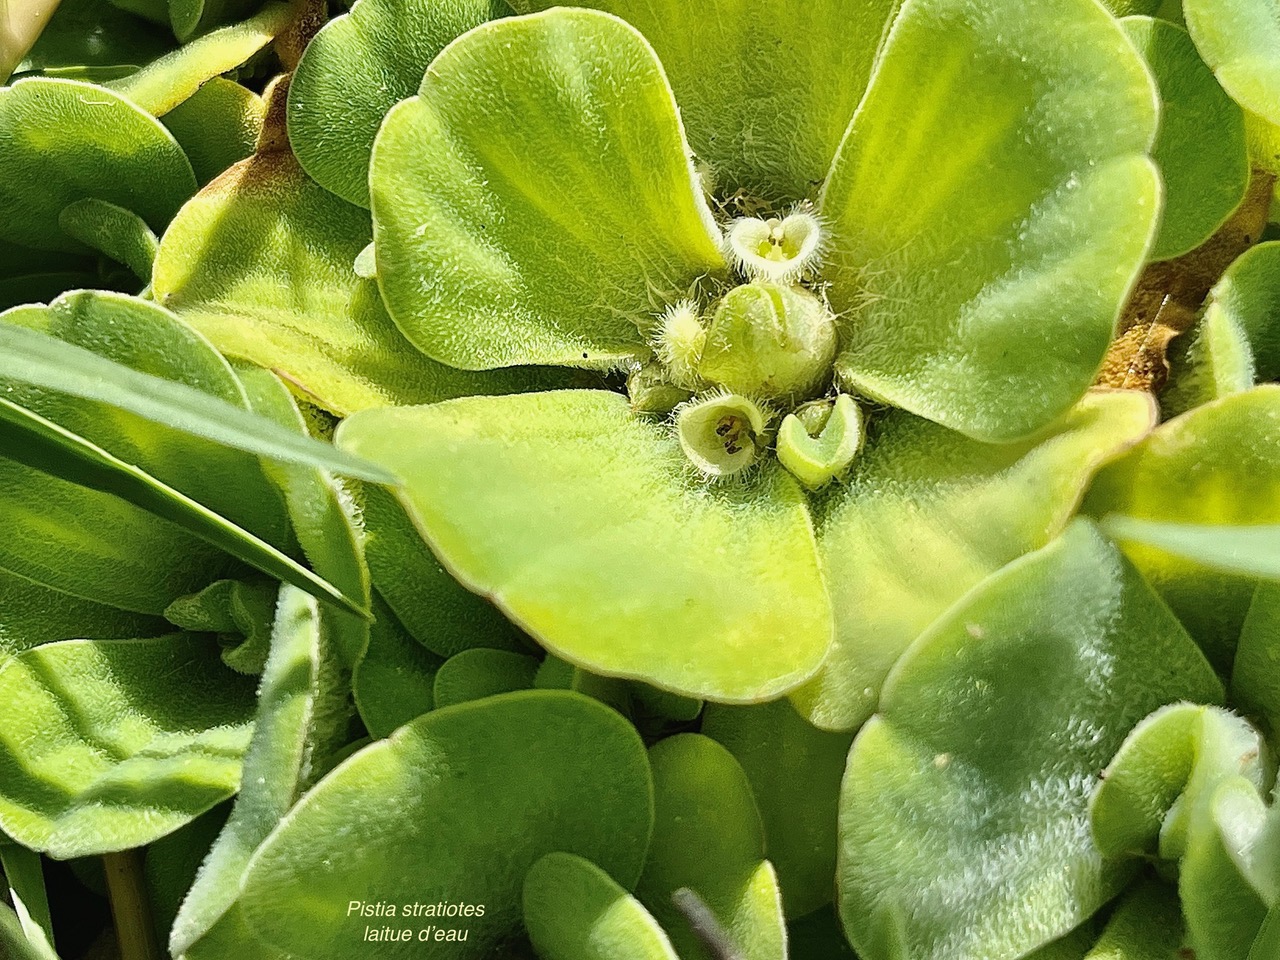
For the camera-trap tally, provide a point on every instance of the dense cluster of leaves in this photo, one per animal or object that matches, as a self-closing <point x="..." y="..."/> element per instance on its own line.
<point x="732" y="480"/>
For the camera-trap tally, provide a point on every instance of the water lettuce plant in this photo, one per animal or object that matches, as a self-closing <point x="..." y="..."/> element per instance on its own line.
<point x="641" y="481"/>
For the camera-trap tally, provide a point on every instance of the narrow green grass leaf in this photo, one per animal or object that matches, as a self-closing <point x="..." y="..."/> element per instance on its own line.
<point x="42" y="444"/>
<point x="31" y="357"/>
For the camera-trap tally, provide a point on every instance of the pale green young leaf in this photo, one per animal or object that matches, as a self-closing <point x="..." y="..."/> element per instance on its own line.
<point x="587" y="527"/>
<point x="964" y="821"/>
<point x="795" y="771"/>
<point x="1203" y="486"/>
<point x="1245" y="551"/>
<point x="925" y="515"/>
<point x="1239" y="40"/>
<point x="356" y="69"/>
<point x="1201" y="148"/>
<point x="1221" y="898"/>
<point x="63" y="141"/>
<point x="535" y="203"/>
<point x="573" y="910"/>
<point x="766" y="90"/>
<point x="708" y="838"/>
<point x="1237" y="341"/>
<point x="469" y="798"/>
<point x="989" y="210"/>
<point x="98" y="754"/>
<point x="1168" y="767"/>
<point x="261" y="262"/>
<point x="164" y="83"/>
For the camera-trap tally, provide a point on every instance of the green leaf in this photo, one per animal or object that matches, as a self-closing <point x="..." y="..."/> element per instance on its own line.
<point x="278" y="766"/>
<point x="441" y="614"/>
<point x="261" y="263"/>
<point x="1201" y="149"/>
<point x="24" y="877"/>
<point x="989" y="210"/>
<point x="13" y="939"/>
<point x="323" y="517"/>
<point x="1237" y="341"/>
<point x="708" y="838"/>
<point x="1202" y="487"/>
<point x="190" y="18"/>
<point x="1169" y="765"/>
<point x="1246" y="551"/>
<point x="32" y="614"/>
<point x="925" y="515"/>
<point x="795" y="772"/>
<point x="573" y="910"/>
<point x="217" y="126"/>
<point x="92" y="33"/>
<point x="1147" y="925"/>
<point x="1255" y="678"/>
<point x="475" y="674"/>
<point x="964" y="821"/>
<point x="356" y="69"/>
<point x="30" y="357"/>
<point x="119" y="233"/>
<point x="63" y="141"/>
<point x="1268" y="943"/>
<point x="1239" y="39"/>
<point x="94" y="546"/>
<point x="148" y="340"/>
<point x="766" y="90"/>
<point x="393" y="681"/>
<point x="535" y="203"/>
<point x="98" y="754"/>
<point x="165" y="83"/>
<point x="51" y="449"/>
<point x="1222" y="902"/>
<point x="584" y="525"/>
<point x="469" y="798"/>
<point x="172" y="862"/>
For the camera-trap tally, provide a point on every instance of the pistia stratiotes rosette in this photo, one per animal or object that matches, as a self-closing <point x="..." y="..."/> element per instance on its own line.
<point x="957" y="255"/>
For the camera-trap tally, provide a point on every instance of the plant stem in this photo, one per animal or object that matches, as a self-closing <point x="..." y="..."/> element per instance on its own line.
<point x="21" y="22"/>
<point x="130" y="906"/>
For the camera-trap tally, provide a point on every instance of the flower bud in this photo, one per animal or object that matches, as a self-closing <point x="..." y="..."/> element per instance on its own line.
<point x="769" y="341"/>
<point x="652" y="392"/>
<point x="680" y="343"/>
<point x="721" y="435"/>
<point x="816" y="457"/>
